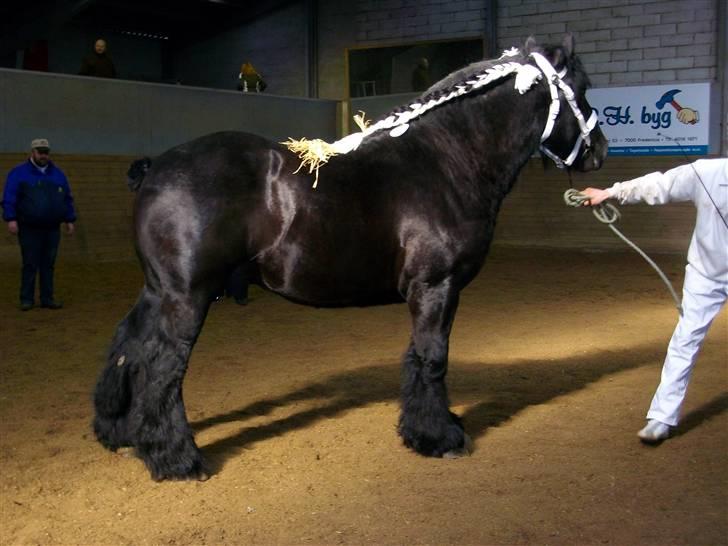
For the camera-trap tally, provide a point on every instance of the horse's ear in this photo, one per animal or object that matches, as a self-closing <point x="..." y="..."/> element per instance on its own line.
<point x="568" y="45"/>
<point x="562" y="55"/>
<point x="530" y="45"/>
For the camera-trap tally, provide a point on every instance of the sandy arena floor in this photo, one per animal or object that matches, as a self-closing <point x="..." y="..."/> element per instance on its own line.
<point x="554" y="358"/>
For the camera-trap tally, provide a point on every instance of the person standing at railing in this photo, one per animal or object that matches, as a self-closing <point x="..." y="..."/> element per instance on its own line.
<point x="98" y="63"/>
<point x="249" y="81"/>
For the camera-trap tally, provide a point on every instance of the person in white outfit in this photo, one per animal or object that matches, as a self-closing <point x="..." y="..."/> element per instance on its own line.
<point x="705" y="289"/>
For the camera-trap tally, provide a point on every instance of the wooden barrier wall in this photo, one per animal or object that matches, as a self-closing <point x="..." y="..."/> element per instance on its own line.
<point x="533" y="215"/>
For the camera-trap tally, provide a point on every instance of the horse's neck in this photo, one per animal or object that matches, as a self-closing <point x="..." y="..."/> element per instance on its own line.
<point x="490" y="139"/>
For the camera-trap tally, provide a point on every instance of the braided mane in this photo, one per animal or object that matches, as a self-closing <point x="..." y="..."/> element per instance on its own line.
<point x="477" y="76"/>
<point x="462" y="82"/>
<point x="461" y="76"/>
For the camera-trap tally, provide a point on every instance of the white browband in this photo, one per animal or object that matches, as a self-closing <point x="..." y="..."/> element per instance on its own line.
<point x="556" y="82"/>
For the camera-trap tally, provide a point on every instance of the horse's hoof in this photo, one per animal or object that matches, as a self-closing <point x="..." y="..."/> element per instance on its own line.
<point x="200" y="476"/>
<point x="464" y="451"/>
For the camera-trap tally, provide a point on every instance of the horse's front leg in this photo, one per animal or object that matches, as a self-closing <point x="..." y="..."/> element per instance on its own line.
<point x="426" y="423"/>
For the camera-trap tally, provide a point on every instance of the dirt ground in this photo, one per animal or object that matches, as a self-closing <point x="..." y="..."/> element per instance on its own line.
<point x="554" y="358"/>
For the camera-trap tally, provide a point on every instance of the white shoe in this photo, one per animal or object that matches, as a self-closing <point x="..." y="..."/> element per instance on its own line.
<point x="655" y="432"/>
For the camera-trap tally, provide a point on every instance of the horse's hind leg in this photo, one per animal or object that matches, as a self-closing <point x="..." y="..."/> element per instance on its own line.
<point x="426" y="423"/>
<point x="157" y="420"/>
<point x="138" y="396"/>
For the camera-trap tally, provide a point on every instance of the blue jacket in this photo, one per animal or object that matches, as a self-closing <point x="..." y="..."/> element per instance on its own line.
<point x="35" y="198"/>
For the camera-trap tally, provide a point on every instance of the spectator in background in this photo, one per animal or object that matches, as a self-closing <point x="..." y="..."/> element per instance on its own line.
<point x="421" y="75"/>
<point x="249" y="80"/>
<point x="98" y="63"/>
<point x="36" y="200"/>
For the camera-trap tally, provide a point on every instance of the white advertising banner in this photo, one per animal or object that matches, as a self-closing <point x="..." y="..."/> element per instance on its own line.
<point x="671" y="119"/>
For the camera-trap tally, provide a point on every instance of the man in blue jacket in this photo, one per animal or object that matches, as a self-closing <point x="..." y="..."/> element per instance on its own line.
<point x="36" y="200"/>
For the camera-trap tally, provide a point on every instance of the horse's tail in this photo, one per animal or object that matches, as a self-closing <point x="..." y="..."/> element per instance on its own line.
<point x="123" y="377"/>
<point x="137" y="170"/>
<point x="114" y="388"/>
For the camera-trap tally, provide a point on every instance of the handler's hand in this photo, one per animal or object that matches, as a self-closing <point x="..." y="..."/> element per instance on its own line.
<point x="70" y="228"/>
<point x="13" y="227"/>
<point x="595" y="196"/>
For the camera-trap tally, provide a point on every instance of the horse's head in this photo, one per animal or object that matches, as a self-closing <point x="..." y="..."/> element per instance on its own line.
<point x="572" y="137"/>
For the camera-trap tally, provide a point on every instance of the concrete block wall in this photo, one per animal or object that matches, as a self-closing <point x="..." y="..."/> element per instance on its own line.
<point x="337" y="29"/>
<point x="623" y="42"/>
<point x="365" y="23"/>
<point x="275" y="44"/>
<point x="400" y="20"/>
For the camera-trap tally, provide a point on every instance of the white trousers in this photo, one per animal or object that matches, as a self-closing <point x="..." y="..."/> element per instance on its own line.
<point x="703" y="298"/>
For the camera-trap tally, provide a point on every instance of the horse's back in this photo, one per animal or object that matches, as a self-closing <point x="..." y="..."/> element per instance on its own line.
<point x="207" y="165"/>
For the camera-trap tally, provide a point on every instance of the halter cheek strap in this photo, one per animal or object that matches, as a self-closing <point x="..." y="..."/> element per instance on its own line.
<point x="555" y="82"/>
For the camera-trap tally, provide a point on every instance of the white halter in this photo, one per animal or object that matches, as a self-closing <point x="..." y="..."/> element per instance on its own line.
<point x="554" y="79"/>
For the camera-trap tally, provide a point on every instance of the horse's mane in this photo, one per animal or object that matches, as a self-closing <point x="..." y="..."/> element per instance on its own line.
<point x="480" y="76"/>
<point x="463" y="77"/>
<point x="461" y="82"/>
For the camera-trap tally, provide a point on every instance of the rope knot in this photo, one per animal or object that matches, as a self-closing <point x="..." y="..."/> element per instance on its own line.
<point x="605" y="212"/>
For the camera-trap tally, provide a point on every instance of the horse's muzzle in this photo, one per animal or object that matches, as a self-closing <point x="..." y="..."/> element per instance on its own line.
<point x="593" y="156"/>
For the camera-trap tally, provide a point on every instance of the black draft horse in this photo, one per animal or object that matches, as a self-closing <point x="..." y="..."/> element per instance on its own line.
<point x="406" y="215"/>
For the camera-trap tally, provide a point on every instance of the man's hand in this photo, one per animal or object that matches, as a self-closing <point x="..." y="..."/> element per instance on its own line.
<point x="13" y="227"/>
<point x="595" y="196"/>
<point x="70" y="228"/>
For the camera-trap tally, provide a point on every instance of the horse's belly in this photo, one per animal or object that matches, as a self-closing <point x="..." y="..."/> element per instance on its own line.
<point x="330" y="280"/>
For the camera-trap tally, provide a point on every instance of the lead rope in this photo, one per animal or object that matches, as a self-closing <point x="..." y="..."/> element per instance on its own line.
<point x="608" y="214"/>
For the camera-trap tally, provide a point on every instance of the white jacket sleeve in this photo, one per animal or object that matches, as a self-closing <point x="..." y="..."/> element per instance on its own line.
<point x="657" y="188"/>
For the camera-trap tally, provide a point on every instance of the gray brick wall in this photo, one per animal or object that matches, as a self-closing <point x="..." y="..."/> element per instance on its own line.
<point x="337" y="27"/>
<point x="387" y="21"/>
<point x="623" y="42"/>
<point x="275" y="44"/>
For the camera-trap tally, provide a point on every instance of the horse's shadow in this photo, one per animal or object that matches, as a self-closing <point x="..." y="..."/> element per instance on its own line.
<point x="497" y="393"/>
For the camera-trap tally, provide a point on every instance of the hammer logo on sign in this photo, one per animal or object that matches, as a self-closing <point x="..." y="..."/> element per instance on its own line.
<point x="684" y="115"/>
